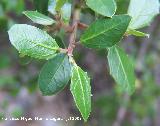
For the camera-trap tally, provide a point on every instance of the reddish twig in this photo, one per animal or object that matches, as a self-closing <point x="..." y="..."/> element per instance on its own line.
<point x="72" y="38"/>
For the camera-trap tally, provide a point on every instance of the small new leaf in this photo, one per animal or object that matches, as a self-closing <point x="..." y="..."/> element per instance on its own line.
<point x="137" y="33"/>
<point x="81" y="91"/>
<point x="105" y="32"/>
<point x="32" y="41"/>
<point x="142" y="12"/>
<point x="59" y="4"/>
<point x="39" y="18"/>
<point x="65" y="9"/>
<point x="55" y="75"/>
<point x="103" y="7"/>
<point x="121" y="69"/>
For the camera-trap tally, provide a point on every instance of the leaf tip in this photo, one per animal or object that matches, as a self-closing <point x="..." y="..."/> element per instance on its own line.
<point x="85" y="116"/>
<point x="23" y="12"/>
<point x="148" y="35"/>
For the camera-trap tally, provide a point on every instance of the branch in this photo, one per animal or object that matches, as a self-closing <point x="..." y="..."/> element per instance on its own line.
<point x="122" y="111"/>
<point x="72" y="38"/>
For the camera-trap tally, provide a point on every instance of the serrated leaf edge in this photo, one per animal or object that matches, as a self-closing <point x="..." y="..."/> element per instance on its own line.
<point x="85" y="118"/>
<point x="84" y="40"/>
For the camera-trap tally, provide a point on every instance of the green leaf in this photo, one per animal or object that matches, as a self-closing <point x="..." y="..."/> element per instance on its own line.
<point x="103" y="7"/>
<point x="142" y="12"/>
<point x="41" y="6"/>
<point x="81" y="91"/>
<point x="39" y="18"/>
<point x="121" y="69"/>
<point x="105" y="32"/>
<point x="32" y="41"/>
<point x="137" y="33"/>
<point x="59" y="4"/>
<point x="65" y="10"/>
<point x="55" y="75"/>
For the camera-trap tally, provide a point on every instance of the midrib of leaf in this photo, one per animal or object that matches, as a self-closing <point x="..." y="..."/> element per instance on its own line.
<point x="81" y="88"/>
<point x="40" y="44"/>
<point x="53" y="78"/>
<point x="122" y="65"/>
<point x="102" y="32"/>
<point x="48" y="55"/>
<point x="42" y="18"/>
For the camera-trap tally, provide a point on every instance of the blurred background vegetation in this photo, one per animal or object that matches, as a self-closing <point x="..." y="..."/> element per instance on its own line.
<point x="20" y="96"/>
